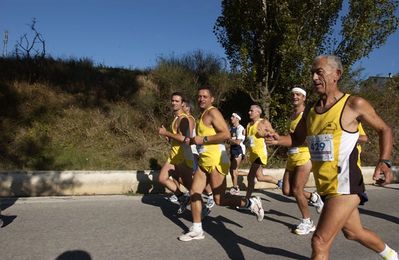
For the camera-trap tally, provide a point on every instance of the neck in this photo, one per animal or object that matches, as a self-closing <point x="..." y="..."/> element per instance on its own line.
<point x="330" y="98"/>
<point x="299" y="109"/>
<point x="177" y="112"/>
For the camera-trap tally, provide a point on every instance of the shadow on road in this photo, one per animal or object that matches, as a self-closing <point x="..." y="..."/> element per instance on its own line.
<point x="379" y="215"/>
<point x="169" y="209"/>
<point x="230" y="241"/>
<point x="5" y="203"/>
<point x="215" y="227"/>
<point x="74" y="255"/>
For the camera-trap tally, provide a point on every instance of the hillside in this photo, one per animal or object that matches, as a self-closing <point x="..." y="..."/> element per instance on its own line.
<point x="72" y="115"/>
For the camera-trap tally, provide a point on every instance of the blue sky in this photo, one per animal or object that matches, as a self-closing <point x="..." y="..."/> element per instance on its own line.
<point x="134" y="33"/>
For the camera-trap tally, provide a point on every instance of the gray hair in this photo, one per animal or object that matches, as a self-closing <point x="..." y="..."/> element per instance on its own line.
<point x="332" y="60"/>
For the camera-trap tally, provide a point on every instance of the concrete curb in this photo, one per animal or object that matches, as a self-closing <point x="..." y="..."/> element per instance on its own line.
<point x="61" y="183"/>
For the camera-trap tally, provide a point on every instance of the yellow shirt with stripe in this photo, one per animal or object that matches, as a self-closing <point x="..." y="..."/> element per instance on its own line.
<point x="299" y="155"/>
<point x="180" y="152"/>
<point x="333" y="152"/>
<point x="256" y="146"/>
<point x="211" y="156"/>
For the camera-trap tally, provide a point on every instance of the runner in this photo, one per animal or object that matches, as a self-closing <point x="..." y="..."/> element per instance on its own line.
<point x="213" y="165"/>
<point x="298" y="169"/>
<point x="180" y="162"/>
<point x="257" y="152"/>
<point x="331" y="130"/>
<point x="237" y="150"/>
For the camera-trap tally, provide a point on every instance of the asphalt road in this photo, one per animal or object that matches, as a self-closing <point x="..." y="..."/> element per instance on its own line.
<point x="146" y="227"/>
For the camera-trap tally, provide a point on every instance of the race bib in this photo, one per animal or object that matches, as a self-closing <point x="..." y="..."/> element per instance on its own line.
<point x="293" y="150"/>
<point x="321" y="147"/>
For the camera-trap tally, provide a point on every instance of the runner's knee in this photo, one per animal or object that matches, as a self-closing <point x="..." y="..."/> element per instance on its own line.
<point x="350" y="235"/>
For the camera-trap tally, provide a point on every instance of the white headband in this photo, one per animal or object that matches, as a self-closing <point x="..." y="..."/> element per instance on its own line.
<point x="237" y="116"/>
<point x="299" y="90"/>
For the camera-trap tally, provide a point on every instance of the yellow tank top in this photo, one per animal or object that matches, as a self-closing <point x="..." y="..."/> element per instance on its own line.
<point x="179" y="152"/>
<point x="300" y="149"/>
<point x="333" y="152"/>
<point x="256" y="146"/>
<point x="211" y="155"/>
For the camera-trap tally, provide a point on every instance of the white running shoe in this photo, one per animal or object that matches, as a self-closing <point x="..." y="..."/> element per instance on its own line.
<point x="210" y="203"/>
<point x="316" y="201"/>
<point x="173" y="198"/>
<point x="305" y="227"/>
<point x="184" y="201"/>
<point x="257" y="208"/>
<point x="192" y="235"/>
<point x="235" y="191"/>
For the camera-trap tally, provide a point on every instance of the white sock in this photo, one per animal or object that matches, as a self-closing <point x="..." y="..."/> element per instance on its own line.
<point x="197" y="227"/>
<point x="388" y="253"/>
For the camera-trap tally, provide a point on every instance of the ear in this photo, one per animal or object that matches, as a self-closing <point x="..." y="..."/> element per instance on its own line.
<point x="339" y="74"/>
<point x="212" y="99"/>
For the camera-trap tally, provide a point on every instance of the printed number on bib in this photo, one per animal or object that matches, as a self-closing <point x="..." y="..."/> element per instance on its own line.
<point x="321" y="147"/>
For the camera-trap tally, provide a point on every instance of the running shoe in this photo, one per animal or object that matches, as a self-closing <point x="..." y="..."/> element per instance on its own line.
<point x="316" y="201"/>
<point x="305" y="227"/>
<point x="173" y="198"/>
<point x="280" y="184"/>
<point x="205" y="211"/>
<point x="235" y="191"/>
<point x="210" y="203"/>
<point x="257" y="208"/>
<point x="184" y="200"/>
<point x="192" y="235"/>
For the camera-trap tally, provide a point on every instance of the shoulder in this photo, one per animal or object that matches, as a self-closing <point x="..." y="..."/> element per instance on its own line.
<point x="356" y="102"/>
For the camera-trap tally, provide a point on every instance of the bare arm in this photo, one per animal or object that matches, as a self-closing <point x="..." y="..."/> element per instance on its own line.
<point x="183" y="131"/>
<point x="368" y="115"/>
<point x="214" y="118"/>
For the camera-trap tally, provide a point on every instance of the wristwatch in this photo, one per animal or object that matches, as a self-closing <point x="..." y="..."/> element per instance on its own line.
<point x="205" y="140"/>
<point x="387" y="162"/>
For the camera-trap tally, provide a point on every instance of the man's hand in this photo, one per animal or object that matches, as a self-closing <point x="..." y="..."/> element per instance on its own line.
<point x="162" y="130"/>
<point x="198" y="140"/>
<point x="382" y="174"/>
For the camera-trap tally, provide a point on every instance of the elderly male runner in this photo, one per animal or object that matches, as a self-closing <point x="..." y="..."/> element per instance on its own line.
<point x="298" y="169"/>
<point x="257" y="152"/>
<point x="181" y="161"/>
<point x="331" y="130"/>
<point x="213" y="165"/>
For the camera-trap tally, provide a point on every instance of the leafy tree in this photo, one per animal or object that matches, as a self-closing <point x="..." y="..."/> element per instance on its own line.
<point x="272" y="43"/>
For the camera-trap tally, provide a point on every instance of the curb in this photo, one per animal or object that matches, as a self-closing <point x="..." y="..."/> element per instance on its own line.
<point x="73" y="183"/>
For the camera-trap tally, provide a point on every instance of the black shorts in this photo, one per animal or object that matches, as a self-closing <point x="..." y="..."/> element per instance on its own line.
<point x="235" y="151"/>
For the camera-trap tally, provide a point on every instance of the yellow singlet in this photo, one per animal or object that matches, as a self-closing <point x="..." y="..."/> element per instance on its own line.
<point x="333" y="151"/>
<point x="180" y="153"/>
<point x="211" y="156"/>
<point x="257" y="146"/>
<point x="300" y="155"/>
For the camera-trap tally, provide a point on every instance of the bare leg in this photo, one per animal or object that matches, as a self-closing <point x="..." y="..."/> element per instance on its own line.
<point x="197" y="187"/>
<point x="353" y="230"/>
<point x="164" y="179"/>
<point x="338" y="213"/>
<point x="234" y="164"/>
<point x="251" y="178"/>
<point x="300" y="178"/>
